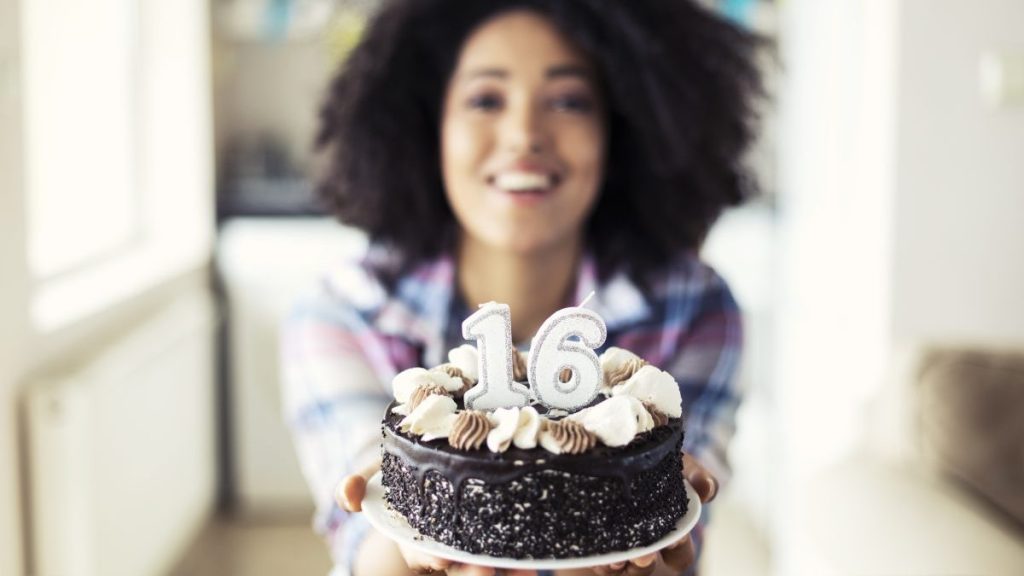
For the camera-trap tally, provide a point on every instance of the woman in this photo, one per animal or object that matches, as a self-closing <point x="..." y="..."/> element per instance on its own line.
<point x="525" y="152"/>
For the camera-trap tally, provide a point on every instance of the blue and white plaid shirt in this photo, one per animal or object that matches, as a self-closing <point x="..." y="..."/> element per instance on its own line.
<point x="342" y="345"/>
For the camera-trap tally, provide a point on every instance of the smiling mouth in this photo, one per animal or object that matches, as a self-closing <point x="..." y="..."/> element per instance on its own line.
<point x="524" y="183"/>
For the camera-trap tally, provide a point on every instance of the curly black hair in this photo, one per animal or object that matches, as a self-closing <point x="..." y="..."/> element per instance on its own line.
<point x="681" y="86"/>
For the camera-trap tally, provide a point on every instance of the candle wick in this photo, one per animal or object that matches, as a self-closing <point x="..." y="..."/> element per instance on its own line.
<point x="587" y="299"/>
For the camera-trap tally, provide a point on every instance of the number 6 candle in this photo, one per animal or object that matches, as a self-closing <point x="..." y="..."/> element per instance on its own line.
<point x="552" y="351"/>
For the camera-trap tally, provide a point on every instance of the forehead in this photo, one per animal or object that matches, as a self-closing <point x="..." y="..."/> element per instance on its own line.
<point x="519" y="40"/>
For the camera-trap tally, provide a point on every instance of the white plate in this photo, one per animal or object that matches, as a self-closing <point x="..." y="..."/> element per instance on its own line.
<point x="394" y="526"/>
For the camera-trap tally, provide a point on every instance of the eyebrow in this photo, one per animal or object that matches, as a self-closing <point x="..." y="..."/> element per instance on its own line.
<point x="561" y="71"/>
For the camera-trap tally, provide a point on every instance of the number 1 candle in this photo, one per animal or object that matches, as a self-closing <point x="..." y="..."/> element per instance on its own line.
<point x="491" y="327"/>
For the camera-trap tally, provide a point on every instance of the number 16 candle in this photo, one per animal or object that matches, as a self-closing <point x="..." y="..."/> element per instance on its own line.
<point x="565" y="341"/>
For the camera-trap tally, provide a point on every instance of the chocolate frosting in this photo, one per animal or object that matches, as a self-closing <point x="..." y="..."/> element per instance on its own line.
<point x="623" y="372"/>
<point x="469" y="431"/>
<point x="659" y="417"/>
<point x="422" y="392"/>
<point x="456" y="372"/>
<point x="571" y="436"/>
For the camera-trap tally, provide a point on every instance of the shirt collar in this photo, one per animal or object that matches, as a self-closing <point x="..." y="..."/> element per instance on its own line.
<point x="421" y="307"/>
<point x="617" y="300"/>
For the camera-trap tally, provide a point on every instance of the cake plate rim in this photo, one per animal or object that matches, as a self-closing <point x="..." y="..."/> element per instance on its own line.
<point x="396" y="527"/>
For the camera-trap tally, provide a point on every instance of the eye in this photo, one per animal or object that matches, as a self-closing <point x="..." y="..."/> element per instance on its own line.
<point x="576" y="103"/>
<point x="485" y="102"/>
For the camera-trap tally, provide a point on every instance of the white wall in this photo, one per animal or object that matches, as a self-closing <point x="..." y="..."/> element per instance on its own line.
<point x="13" y="300"/>
<point x="23" y="349"/>
<point x="834" y="245"/>
<point x="901" y="220"/>
<point x="269" y="88"/>
<point x="958" y="263"/>
<point x="834" y="220"/>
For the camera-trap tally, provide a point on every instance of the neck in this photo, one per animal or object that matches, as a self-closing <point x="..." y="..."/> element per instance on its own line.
<point x="534" y="285"/>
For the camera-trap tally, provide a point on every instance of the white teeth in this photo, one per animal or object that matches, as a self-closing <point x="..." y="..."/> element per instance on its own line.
<point x="522" y="181"/>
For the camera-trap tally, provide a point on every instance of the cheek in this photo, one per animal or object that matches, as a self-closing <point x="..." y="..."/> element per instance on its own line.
<point x="586" y="151"/>
<point x="462" y="147"/>
<point x="463" y="151"/>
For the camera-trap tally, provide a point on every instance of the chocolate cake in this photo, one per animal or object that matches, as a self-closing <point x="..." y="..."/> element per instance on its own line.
<point x="531" y="482"/>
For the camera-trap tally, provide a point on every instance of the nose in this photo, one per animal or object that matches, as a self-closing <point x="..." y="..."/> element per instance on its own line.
<point x="524" y="129"/>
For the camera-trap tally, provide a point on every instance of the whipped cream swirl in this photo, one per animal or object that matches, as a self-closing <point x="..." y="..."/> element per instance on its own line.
<point x="518" y="426"/>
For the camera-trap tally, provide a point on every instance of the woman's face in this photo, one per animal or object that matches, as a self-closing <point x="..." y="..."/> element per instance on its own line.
<point x="522" y="136"/>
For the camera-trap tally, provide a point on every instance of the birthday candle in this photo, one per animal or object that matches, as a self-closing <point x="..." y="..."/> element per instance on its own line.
<point x="554" y="349"/>
<point x="491" y="327"/>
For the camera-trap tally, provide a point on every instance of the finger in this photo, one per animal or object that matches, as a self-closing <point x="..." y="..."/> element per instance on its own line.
<point x="470" y="570"/>
<point x="350" y="493"/>
<point x="642" y="566"/>
<point x="512" y="572"/>
<point x="706" y="486"/>
<point x="423" y="563"/>
<point x="610" y="569"/>
<point x="437" y="564"/>
<point x="680" y="556"/>
<point x="351" y="490"/>
<point x="700" y="478"/>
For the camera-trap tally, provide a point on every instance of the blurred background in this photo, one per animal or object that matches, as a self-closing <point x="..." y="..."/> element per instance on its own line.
<point x="156" y="216"/>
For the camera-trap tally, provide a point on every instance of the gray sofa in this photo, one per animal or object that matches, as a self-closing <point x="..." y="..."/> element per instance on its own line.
<point x="951" y="502"/>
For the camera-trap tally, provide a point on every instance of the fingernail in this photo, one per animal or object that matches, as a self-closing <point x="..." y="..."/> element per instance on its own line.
<point x="618" y="566"/>
<point x="644" y="561"/>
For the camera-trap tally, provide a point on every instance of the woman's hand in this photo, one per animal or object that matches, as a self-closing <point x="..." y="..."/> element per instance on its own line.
<point x="680" y="555"/>
<point x="349" y="495"/>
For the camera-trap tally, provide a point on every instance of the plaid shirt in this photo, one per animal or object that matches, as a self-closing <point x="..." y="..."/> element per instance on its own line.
<point x="343" y="344"/>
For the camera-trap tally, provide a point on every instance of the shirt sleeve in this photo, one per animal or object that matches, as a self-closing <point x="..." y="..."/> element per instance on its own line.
<point x="705" y="319"/>
<point x="333" y="402"/>
<point x="709" y="339"/>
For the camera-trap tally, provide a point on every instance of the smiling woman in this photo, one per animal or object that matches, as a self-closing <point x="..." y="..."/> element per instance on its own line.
<point x="525" y="152"/>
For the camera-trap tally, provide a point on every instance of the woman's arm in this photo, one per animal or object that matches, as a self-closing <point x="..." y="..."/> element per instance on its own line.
<point x="333" y="403"/>
<point x="705" y="365"/>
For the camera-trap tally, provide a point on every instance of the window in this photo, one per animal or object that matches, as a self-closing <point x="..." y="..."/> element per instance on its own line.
<point x="118" y="149"/>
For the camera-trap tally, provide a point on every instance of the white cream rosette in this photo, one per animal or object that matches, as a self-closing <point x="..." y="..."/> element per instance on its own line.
<point x="612" y="360"/>
<point x="432" y="419"/>
<point x="407" y="381"/>
<point x="656" y="387"/>
<point x="467" y="359"/>
<point x="615" y="421"/>
<point x="528" y="428"/>
<point x="518" y="426"/>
